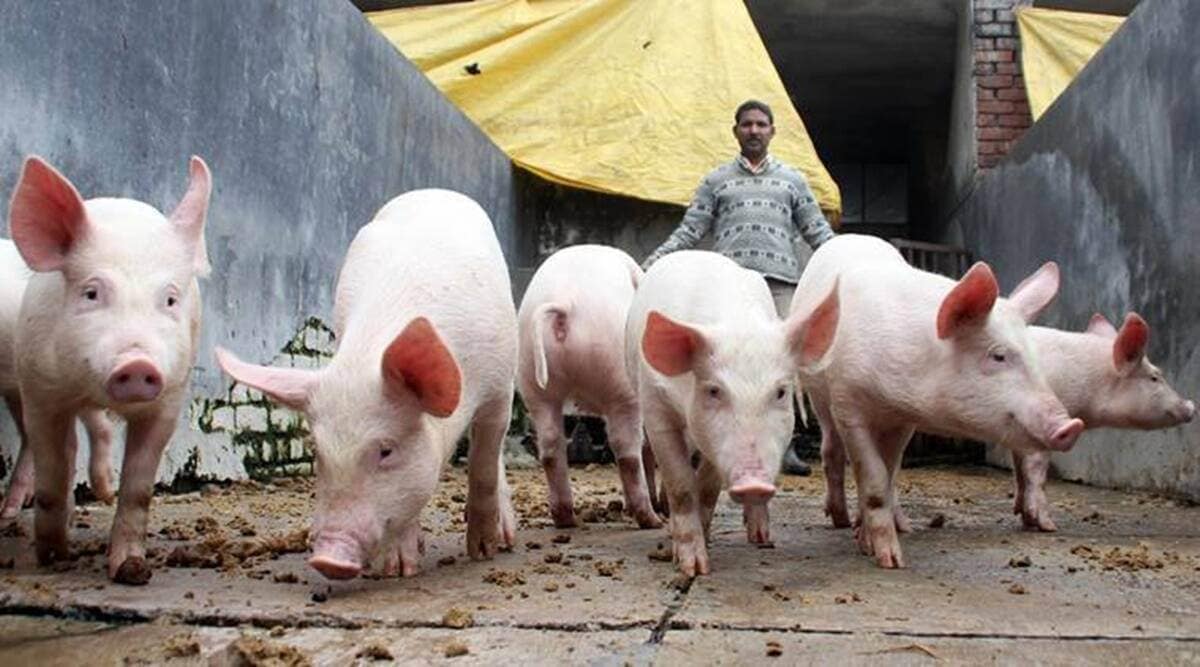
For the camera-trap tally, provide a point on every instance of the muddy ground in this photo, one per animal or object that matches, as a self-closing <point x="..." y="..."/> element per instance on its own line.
<point x="1119" y="582"/>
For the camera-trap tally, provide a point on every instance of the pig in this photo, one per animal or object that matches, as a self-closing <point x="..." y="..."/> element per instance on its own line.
<point x="571" y="325"/>
<point x="916" y="350"/>
<point x="714" y="365"/>
<point x="426" y="346"/>
<point x="109" y="321"/>
<point x="14" y="276"/>
<point x="1103" y="377"/>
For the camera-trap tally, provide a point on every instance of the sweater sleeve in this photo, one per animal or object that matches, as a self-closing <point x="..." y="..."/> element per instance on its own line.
<point x="807" y="216"/>
<point x="697" y="222"/>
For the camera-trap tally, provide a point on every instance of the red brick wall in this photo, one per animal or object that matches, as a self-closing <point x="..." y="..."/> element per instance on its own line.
<point x="1002" y="111"/>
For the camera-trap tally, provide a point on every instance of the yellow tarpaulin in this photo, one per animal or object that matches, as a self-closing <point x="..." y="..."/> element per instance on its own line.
<point x="632" y="97"/>
<point x="1055" y="45"/>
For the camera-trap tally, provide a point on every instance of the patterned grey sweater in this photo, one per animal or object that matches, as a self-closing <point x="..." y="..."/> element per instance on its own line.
<point x="760" y="218"/>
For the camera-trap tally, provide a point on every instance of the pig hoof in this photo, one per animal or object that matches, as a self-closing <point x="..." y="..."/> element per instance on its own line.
<point x="563" y="515"/>
<point x="903" y="525"/>
<point x="409" y="568"/>
<point x="104" y="493"/>
<point x="10" y="511"/>
<point x="508" y="530"/>
<point x="757" y="536"/>
<point x="52" y="551"/>
<point x="1038" y="521"/>
<point x="483" y="536"/>
<point x="648" y="519"/>
<point x="17" y="499"/>
<point x="135" y="571"/>
<point x="838" y="515"/>
<point x="692" y="557"/>
<point x="889" y="561"/>
<point x="880" y="540"/>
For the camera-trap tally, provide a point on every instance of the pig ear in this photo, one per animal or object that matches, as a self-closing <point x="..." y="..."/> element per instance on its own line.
<point x="1036" y="292"/>
<point x="671" y="348"/>
<point x="1129" y="347"/>
<point x="46" y="216"/>
<point x="1100" y="326"/>
<point x="970" y="301"/>
<point x="418" y="361"/>
<point x="189" y="215"/>
<point x="289" y="387"/>
<point x="811" y="337"/>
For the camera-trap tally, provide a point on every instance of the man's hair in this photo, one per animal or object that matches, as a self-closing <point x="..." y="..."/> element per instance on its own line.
<point x="753" y="104"/>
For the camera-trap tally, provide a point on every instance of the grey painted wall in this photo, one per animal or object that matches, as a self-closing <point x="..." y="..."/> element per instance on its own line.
<point x="309" y="119"/>
<point x="554" y="217"/>
<point x="961" y="159"/>
<point x="1108" y="184"/>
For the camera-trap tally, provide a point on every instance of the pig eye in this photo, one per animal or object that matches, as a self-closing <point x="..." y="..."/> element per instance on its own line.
<point x="91" y="293"/>
<point x="998" y="355"/>
<point x="385" y="452"/>
<point x="171" y="299"/>
<point x="780" y="393"/>
<point x="1154" y="378"/>
<point x="712" y="391"/>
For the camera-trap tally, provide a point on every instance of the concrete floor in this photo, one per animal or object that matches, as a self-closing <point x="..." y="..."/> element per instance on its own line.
<point x="1119" y="582"/>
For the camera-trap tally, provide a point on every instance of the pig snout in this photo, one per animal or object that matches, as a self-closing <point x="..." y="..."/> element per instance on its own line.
<point x="134" y="381"/>
<point x="1063" y="437"/>
<point x="1184" y="412"/>
<point x="336" y="557"/>
<point x="750" y="487"/>
<point x="1047" y="424"/>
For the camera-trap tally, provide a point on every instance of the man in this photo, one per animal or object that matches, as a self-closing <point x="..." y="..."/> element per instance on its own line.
<point x="758" y="210"/>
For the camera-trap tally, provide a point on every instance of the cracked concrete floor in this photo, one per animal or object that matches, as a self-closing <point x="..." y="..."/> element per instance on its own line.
<point x="1119" y="582"/>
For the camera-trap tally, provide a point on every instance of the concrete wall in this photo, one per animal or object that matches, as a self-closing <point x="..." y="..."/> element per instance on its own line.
<point x="961" y="159"/>
<point x="1108" y="184"/>
<point x="554" y="217"/>
<point x="309" y="119"/>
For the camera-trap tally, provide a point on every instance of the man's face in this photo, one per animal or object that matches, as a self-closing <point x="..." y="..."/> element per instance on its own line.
<point x="754" y="132"/>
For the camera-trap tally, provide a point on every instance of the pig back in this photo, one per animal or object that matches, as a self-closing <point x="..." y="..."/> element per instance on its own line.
<point x="433" y="254"/>
<point x="593" y="286"/>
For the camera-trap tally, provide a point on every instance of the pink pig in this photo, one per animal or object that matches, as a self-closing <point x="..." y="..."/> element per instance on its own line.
<point x="572" y="326"/>
<point x="714" y="365"/>
<point x="916" y="350"/>
<point x="14" y="276"/>
<point x="427" y="346"/>
<point x="110" y="320"/>
<point x="1103" y="377"/>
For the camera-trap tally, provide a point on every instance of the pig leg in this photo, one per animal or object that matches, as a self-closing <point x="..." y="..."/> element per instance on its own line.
<point x="146" y="438"/>
<point x="403" y="558"/>
<point x="100" y="433"/>
<point x="757" y="522"/>
<point x="1031" y="471"/>
<point x="625" y="439"/>
<point x="897" y="443"/>
<point x="548" y="423"/>
<point x="1018" y="483"/>
<point x="53" y="442"/>
<point x="488" y="529"/>
<point x="877" y="533"/>
<point x="508" y="515"/>
<point x="833" y="460"/>
<point x="708" y="483"/>
<point x="658" y="497"/>
<point x="20" y="484"/>
<point x="679" y="479"/>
